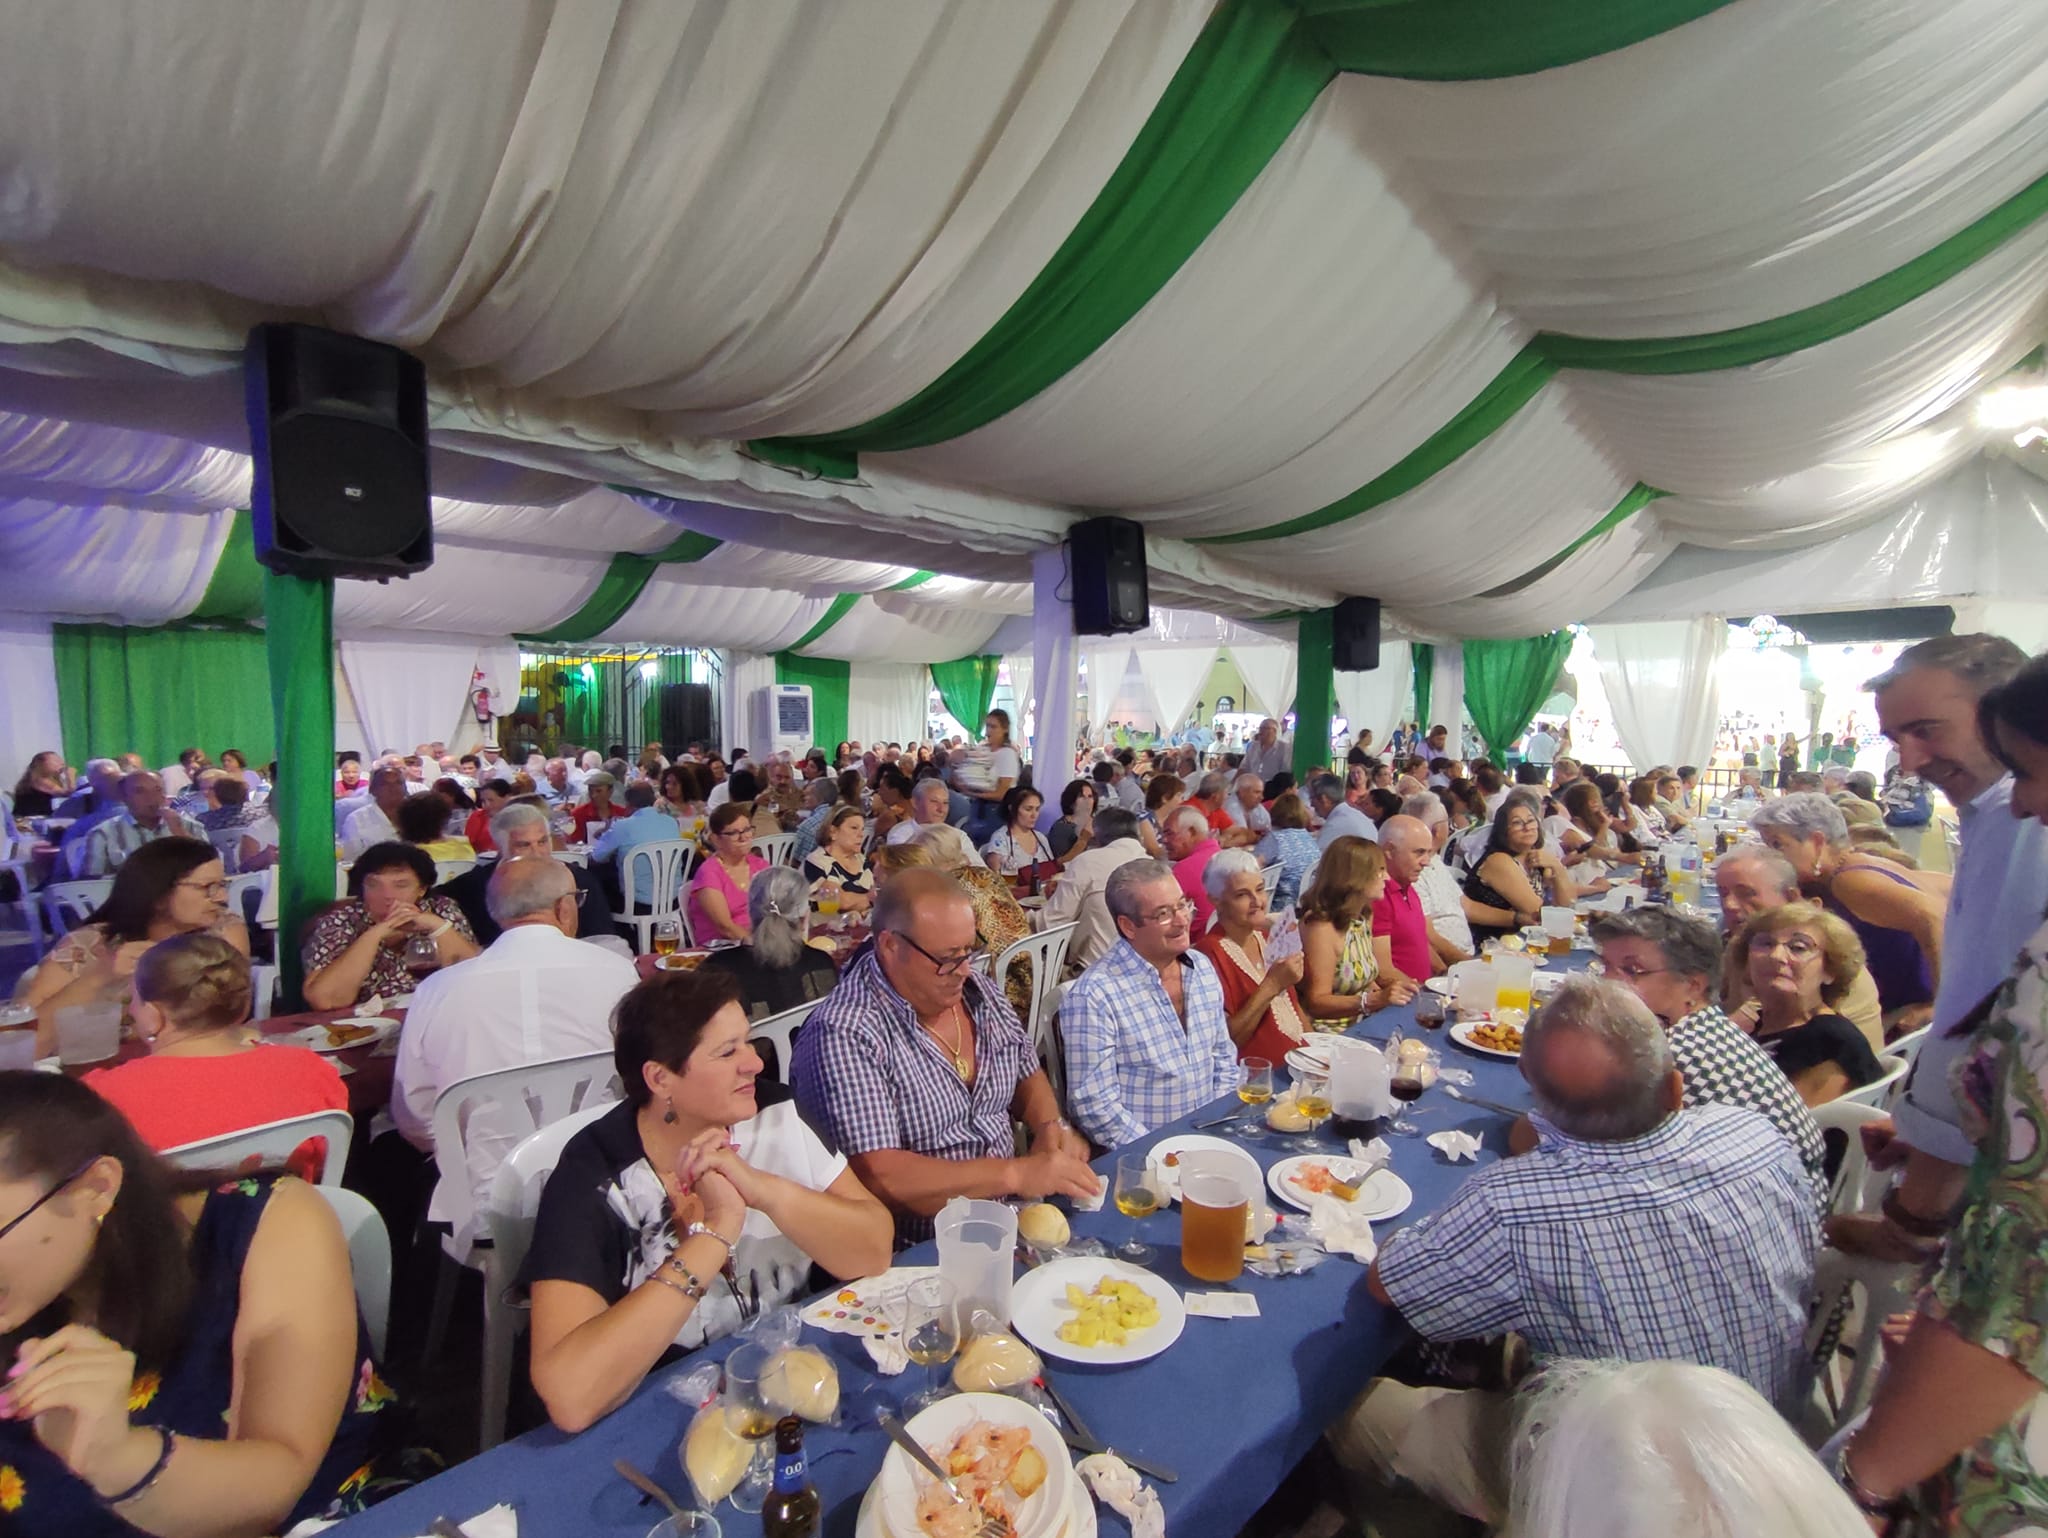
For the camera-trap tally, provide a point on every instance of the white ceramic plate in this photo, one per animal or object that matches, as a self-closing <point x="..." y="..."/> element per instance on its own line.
<point x="1386" y="1195"/>
<point x="1313" y="1053"/>
<point x="1166" y="1177"/>
<point x="897" y="1487"/>
<point x="1461" y="1033"/>
<point x="315" y="1036"/>
<point x="1038" y="1307"/>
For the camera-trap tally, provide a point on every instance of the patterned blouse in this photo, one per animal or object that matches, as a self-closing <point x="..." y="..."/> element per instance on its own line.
<point x="1358" y="967"/>
<point x="343" y="924"/>
<point x="1992" y="1285"/>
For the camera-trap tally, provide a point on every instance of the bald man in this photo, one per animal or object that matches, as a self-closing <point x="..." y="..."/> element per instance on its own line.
<point x="535" y="993"/>
<point x="1402" y="935"/>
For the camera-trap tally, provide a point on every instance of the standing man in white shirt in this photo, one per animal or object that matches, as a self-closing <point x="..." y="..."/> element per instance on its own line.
<point x="1539" y="747"/>
<point x="535" y="994"/>
<point x="1927" y="706"/>
<point x="372" y="824"/>
<point x="1268" y="753"/>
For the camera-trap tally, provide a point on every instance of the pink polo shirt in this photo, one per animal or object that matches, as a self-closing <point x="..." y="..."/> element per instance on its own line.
<point x="1398" y="915"/>
<point x="1187" y="870"/>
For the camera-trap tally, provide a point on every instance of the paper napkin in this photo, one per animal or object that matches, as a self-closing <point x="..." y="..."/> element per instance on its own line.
<point x="1454" y="1145"/>
<point x="1117" y="1485"/>
<point x="1339" y="1228"/>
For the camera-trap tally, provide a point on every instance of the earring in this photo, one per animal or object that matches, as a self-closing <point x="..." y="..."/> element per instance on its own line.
<point x="669" y="1115"/>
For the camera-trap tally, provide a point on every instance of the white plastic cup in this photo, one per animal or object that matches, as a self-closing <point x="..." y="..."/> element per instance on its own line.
<point x="88" y="1033"/>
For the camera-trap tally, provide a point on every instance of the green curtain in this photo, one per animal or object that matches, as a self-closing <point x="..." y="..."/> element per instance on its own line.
<point x="1422" y="659"/>
<point x="299" y="621"/>
<point x="1315" y="698"/>
<point x="235" y="590"/>
<point x="828" y="678"/>
<point x="967" y="686"/>
<point x="160" y="690"/>
<point x="1506" y="683"/>
<point x="1484" y="39"/>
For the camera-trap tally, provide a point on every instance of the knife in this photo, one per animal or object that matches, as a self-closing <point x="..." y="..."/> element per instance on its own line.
<point x="1076" y="1435"/>
<point x="1491" y="1105"/>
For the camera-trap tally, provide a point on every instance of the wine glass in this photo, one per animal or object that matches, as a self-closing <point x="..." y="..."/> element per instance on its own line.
<point x="1312" y="1096"/>
<point x="1254" y="1088"/>
<point x="1413" y="1071"/>
<point x="751" y="1414"/>
<point x="667" y="935"/>
<point x="1136" y="1197"/>
<point x="1430" y="1009"/>
<point x="421" y="954"/>
<point x="931" y="1334"/>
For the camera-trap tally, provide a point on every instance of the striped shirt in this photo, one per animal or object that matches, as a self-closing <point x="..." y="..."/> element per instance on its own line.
<point x="109" y="844"/>
<point x="1132" y="1064"/>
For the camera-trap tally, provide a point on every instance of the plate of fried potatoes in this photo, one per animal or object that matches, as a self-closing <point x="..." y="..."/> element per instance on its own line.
<point x="1086" y="1309"/>
<point x="1490" y="1037"/>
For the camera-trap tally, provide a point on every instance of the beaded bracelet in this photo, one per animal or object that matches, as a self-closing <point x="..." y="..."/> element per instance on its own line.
<point x="156" y="1470"/>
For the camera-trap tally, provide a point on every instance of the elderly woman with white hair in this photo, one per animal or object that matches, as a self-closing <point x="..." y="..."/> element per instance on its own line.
<point x="1259" y="1005"/>
<point x="777" y="969"/>
<point x="1896" y="913"/>
<point x="999" y="920"/>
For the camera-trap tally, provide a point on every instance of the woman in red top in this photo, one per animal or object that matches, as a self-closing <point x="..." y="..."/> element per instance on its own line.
<point x="205" y="1074"/>
<point x="1264" y="1016"/>
<point x="490" y="800"/>
<point x="598" y="812"/>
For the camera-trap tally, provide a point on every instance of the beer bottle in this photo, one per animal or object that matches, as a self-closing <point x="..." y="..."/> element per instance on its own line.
<point x="792" y="1509"/>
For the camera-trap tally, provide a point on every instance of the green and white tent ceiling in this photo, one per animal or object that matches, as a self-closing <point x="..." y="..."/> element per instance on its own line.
<point x="1485" y="307"/>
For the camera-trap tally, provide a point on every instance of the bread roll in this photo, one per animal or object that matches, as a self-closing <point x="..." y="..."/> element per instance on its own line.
<point x="1044" y="1225"/>
<point x="713" y="1457"/>
<point x="991" y="1363"/>
<point x="1281" y="1116"/>
<point x="803" y="1379"/>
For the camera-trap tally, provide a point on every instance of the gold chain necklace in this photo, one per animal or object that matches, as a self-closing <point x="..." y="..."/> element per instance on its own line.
<point x="958" y="1047"/>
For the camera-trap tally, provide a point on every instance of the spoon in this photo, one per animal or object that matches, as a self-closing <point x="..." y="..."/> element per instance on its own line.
<point x="641" y="1482"/>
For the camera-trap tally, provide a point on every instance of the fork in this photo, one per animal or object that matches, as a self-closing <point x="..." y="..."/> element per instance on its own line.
<point x="993" y="1524"/>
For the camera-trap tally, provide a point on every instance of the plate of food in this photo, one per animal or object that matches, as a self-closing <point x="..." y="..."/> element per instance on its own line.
<point x="1164" y="1159"/>
<point x="1300" y="1180"/>
<point x="682" y="961"/>
<point x="1488" y="1038"/>
<point x="1085" y="1309"/>
<point x="340" y="1035"/>
<point x="1004" y="1456"/>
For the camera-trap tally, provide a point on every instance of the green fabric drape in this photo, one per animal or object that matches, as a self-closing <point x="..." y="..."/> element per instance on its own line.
<point x="299" y="632"/>
<point x="1315" y="697"/>
<point x="1422" y="660"/>
<point x="160" y="690"/>
<point x="1506" y="683"/>
<point x="836" y="611"/>
<point x="1485" y="39"/>
<point x="1638" y="498"/>
<point x="624" y="580"/>
<point x="235" y="590"/>
<point x="828" y="678"/>
<point x="967" y="686"/>
<point x="1248" y="80"/>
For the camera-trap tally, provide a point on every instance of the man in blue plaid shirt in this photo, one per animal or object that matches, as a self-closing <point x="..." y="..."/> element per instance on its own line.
<point x="1146" y="1036"/>
<point x="1636" y="1230"/>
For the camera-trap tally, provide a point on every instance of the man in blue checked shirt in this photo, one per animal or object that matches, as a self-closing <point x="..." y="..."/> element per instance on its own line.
<point x="1635" y="1231"/>
<point x="1146" y="1036"/>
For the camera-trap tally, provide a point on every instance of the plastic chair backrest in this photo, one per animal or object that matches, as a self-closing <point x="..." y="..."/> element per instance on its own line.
<point x="1879" y="1090"/>
<point x="777" y="848"/>
<point x="1269" y="877"/>
<point x="653" y="873"/>
<point x="514" y="1201"/>
<point x="1908" y="1046"/>
<point x="66" y="903"/>
<point x="446" y="871"/>
<point x="1841" y="1122"/>
<point x="780" y="1032"/>
<point x="1045" y="954"/>
<point x="542" y="1092"/>
<point x="239" y="888"/>
<point x="271" y="1145"/>
<point x="1889" y="1288"/>
<point x="369" y="1260"/>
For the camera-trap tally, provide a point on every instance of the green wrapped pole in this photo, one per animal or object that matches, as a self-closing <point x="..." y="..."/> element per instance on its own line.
<point x="1422" y="657"/>
<point x="1315" y="699"/>
<point x="299" y="623"/>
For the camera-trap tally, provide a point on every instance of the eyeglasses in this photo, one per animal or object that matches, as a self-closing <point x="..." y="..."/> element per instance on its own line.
<point x="30" y="1210"/>
<point x="746" y="832"/>
<point x="1798" y="947"/>
<point x="1185" y="908"/>
<point x="945" y="965"/>
<point x="1626" y="974"/>
<point x="210" y="888"/>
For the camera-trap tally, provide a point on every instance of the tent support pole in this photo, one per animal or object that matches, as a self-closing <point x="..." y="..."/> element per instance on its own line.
<point x="1315" y="698"/>
<point x="1055" y="679"/>
<point x="298" y="615"/>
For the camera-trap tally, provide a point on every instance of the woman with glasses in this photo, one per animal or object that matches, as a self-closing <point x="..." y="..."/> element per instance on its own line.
<point x="1516" y="873"/>
<point x="1341" y="966"/>
<point x="675" y="1218"/>
<point x="170" y="886"/>
<point x="1799" y="961"/>
<point x="204" y="1076"/>
<point x="182" y="1356"/>
<point x="717" y="901"/>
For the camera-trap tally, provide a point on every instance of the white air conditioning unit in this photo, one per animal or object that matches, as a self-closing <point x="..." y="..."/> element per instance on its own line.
<point x="782" y="719"/>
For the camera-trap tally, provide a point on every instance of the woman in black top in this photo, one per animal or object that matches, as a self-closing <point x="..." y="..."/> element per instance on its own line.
<point x="1514" y="870"/>
<point x="44" y="783"/>
<point x="776" y="969"/>
<point x="1799" y="960"/>
<point x="839" y="858"/>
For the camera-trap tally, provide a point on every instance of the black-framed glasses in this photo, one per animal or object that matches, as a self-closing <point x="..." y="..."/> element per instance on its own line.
<point x="31" y="1209"/>
<point x="945" y="965"/>
<point x="1625" y="974"/>
<point x="746" y="832"/>
<point x="1184" y="909"/>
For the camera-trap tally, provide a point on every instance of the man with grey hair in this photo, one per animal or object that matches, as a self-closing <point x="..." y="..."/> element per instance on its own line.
<point x="930" y="804"/>
<point x="532" y="995"/>
<point x="1636" y="1231"/>
<point x="1444" y="902"/>
<point x="1190" y="845"/>
<point x="1147" y="1037"/>
<point x="1267" y="754"/>
<point x="520" y="831"/>
<point x="1214" y="798"/>
<point x="1112" y="843"/>
<point x="820" y="795"/>
<point x="372" y="823"/>
<point x="144" y="817"/>
<point x="1331" y="800"/>
<point x="1753" y="879"/>
<point x="1245" y="807"/>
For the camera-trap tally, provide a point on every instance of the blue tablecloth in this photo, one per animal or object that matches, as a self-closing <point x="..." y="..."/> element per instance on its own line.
<point x="1232" y="1407"/>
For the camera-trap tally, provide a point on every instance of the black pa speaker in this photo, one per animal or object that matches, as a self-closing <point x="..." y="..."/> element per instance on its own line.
<point x="685" y="716"/>
<point x="1110" y="593"/>
<point x="1355" y="636"/>
<point x="338" y="436"/>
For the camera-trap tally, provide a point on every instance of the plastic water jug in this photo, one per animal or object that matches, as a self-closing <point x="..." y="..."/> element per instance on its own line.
<point x="1359" y="1076"/>
<point x="977" y="1254"/>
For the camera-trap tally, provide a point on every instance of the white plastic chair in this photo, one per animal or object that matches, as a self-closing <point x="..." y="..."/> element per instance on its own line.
<point x="272" y="1143"/>
<point x="1853" y="1188"/>
<point x="780" y="1032"/>
<point x="653" y="874"/>
<point x="239" y="888"/>
<point x="262" y="990"/>
<point x="1046" y="956"/>
<point x="1269" y="878"/>
<point x="776" y="848"/>
<point x="369" y="1260"/>
<point x="1908" y="1046"/>
<point x="67" y="903"/>
<point x="512" y="1207"/>
<point x="15" y="862"/>
<point x="1888" y="1287"/>
<point x="446" y="871"/>
<point x="529" y="1096"/>
<point x="1878" y="1091"/>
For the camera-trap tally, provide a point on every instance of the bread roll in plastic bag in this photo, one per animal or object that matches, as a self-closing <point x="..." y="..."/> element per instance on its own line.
<point x="803" y="1380"/>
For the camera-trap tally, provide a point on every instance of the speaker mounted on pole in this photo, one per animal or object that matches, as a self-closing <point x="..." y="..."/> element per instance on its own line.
<point x="1355" y="636"/>
<point x="338" y="443"/>
<point x="1111" y="594"/>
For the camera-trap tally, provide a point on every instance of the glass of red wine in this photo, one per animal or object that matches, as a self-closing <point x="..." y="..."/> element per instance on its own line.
<point x="421" y="955"/>
<point x="1414" y="1070"/>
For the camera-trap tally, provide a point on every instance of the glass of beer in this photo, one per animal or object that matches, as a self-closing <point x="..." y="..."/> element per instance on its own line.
<point x="1215" y="1216"/>
<point x="1136" y="1197"/>
<point x="667" y="935"/>
<point x="1558" y="924"/>
<point x="1254" y="1088"/>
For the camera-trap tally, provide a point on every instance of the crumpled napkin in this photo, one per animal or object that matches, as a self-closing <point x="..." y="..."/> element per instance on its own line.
<point x="1117" y="1485"/>
<point x="887" y="1353"/>
<point x="1376" y="1153"/>
<point x="1454" y="1145"/>
<point x="1340" y="1229"/>
<point x="371" y="1007"/>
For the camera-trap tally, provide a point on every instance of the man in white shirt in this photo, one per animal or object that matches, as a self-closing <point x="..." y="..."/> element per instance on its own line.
<point x="929" y="803"/>
<point x="1267" y="754"/>
<point x="372" y="824"/>
<point x="537" y="993"/>
<point x="1539" y="747"/>
<point x="1443" y="899"/>
<point x="1331" y="802"/>
<point x="1245" y="806"/>
<point x="1078" y="894"/>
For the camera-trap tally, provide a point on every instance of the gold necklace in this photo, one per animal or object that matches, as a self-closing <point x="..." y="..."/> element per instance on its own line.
<point x="958" y="1047"/>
